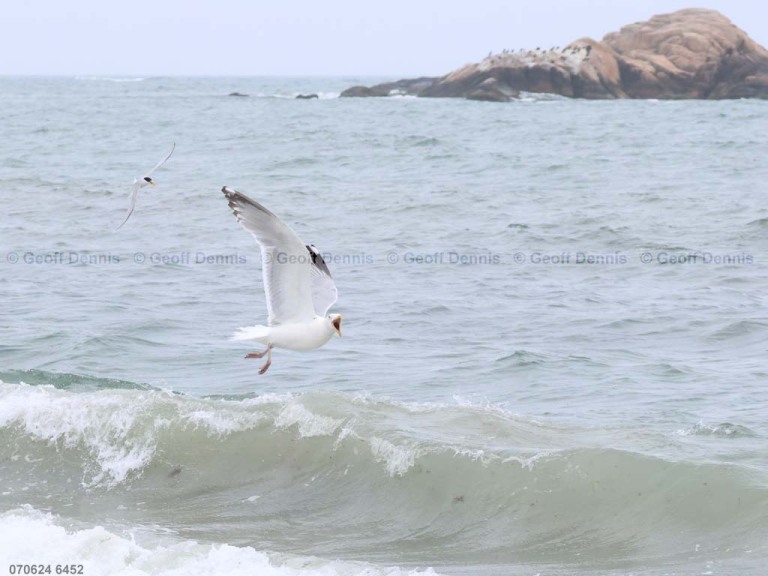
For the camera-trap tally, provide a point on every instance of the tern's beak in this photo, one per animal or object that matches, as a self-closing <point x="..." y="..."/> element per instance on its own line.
<point x="153" y="183"/>
<point x="337" y="325"/>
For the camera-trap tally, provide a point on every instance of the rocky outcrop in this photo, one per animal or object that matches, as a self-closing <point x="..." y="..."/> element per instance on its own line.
<point x="693" y="53"/>
<point x="491" y="90"/>
<point x="412" y="87"/>
<point x="583" y="69"/>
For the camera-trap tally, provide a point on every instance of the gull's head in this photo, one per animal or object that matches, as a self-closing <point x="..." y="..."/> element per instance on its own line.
<point x="149" y="180"/>
<point x="335" y="320"/>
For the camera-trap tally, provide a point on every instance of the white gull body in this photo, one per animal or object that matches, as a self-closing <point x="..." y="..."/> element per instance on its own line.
<point x="301" y="336"/>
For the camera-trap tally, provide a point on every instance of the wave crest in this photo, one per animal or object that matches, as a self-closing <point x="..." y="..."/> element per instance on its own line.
<point x="466" y="479"/>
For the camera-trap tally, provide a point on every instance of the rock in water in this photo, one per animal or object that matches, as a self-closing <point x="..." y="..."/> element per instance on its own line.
<point x="408" y="87"/>
<point x="491" y="90"/>
<point x="692" y="53"/>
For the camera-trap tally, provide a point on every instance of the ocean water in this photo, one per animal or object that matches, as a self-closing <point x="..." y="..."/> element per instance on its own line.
<point x="554" y="350"/>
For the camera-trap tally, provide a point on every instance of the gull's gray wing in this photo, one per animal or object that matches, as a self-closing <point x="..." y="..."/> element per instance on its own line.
<point x="324" y="292"/>
<point x="286" y="266"/>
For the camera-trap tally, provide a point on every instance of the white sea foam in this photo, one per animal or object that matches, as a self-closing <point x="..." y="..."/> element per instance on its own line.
<point x="119" y="428"/>
<point x="29" y="536"/>
<point x="309" y="424"/>
<point x="398" y="459"/>
<point x="105" y="424"/>
<point x="725" y="430"/>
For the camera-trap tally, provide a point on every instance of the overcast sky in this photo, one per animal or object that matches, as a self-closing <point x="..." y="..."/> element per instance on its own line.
<point x="309" y="37"/>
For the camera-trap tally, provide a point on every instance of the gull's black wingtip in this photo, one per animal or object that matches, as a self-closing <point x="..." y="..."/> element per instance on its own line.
<point x="237" y="200"/>
<point x="231" y="195"/>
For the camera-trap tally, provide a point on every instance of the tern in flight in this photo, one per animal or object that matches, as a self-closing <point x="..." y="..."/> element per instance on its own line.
<point x="140" y="181"/>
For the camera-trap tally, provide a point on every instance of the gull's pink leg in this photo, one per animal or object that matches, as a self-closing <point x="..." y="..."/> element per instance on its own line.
<point x="268" y="363"/>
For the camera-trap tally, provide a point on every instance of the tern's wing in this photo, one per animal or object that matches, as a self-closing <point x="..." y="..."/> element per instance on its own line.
<point x="324" y="292"/>
<point x="163" y="161"/>
<point x="134" y="195"/>
<point x="286" y="266"/>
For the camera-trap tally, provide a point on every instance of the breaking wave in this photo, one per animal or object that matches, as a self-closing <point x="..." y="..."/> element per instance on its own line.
<point x="358" y="477"/>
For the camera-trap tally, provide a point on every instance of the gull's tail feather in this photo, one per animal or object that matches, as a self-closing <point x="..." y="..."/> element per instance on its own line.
<point x="257" y="333"/>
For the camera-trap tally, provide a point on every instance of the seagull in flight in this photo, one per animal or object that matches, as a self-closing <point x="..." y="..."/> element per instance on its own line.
<point x="140" y="181"/>
<point x="297" y="284"/>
